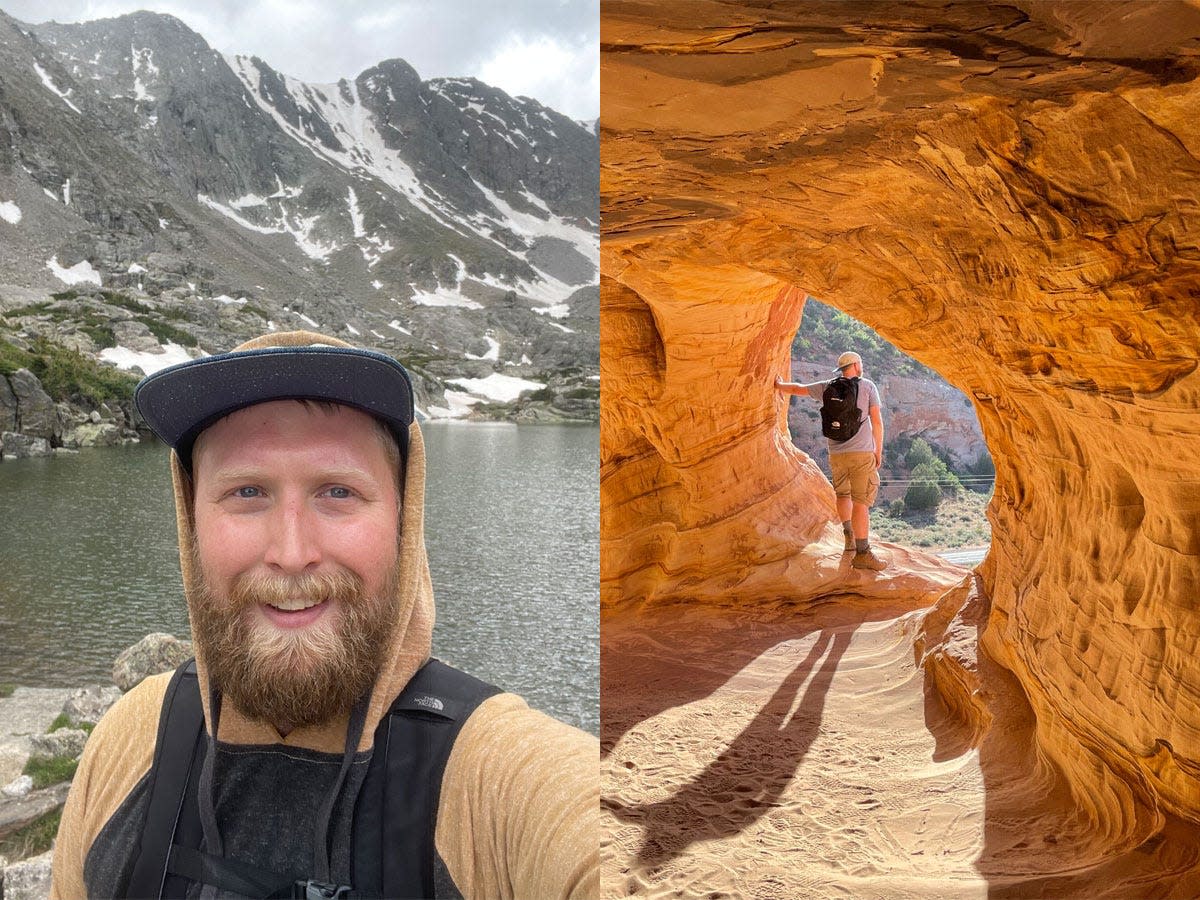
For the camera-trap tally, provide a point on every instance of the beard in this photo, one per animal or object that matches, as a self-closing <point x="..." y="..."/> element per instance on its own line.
<point x="292" y="677"/>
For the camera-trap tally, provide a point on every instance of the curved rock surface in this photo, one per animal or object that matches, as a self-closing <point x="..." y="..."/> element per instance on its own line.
<point x="1008" y="192"/>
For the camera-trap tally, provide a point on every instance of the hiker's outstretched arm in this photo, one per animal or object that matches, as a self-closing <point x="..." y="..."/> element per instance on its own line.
<point x="799" y="390"/>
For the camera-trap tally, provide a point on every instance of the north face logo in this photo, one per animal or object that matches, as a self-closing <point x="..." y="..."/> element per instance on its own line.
<point x="429" y="702"/>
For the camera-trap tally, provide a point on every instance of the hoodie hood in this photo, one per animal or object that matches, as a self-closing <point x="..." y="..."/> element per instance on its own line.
<point x="411" y="634"/>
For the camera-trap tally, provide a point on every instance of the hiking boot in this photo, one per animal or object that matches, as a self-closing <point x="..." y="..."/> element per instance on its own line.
<point x="868" y="560"/>
<point x="850" y="547"/>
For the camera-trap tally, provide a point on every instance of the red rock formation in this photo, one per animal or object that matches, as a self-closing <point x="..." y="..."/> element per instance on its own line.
<point x="1009" y="194"/>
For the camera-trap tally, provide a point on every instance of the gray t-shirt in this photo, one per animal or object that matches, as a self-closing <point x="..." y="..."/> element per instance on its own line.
<point x="864" y="439"/>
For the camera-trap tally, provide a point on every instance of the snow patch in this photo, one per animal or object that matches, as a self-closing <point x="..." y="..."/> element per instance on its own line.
<point x="10" y="212"/>
<point x="356" y="216"/>
<point x="148" y="361"/>
<point x="442" y="297"/>
<point x="300" y="229"/>
<point x="457" y="405"/>
<point x="135" y="269"/>
<point x="306" y="319"/>
<point x="53" y="88"/>
<point x="143" y="60"/>
<point x="395" y="323"/>
<point x="248" y="200"/>
<point x="501" y="388"/>
<point x="557" y="311"/>
<point x="354" y="331"/>
<point x="80" y="273"/>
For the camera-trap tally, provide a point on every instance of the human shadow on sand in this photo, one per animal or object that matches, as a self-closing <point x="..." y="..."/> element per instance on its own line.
<point x="668" y="657"/>
<point x="750" y="775"/>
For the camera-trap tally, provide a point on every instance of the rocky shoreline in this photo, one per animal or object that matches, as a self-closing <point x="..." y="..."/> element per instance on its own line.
<point x="33" y="424"/>
<point x="41" y="727"/>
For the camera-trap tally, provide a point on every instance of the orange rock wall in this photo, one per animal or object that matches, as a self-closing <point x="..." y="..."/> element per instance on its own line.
<point x="1011" y="195"/>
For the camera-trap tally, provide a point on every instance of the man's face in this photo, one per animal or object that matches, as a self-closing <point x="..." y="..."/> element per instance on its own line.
<point x="296" y="543"/>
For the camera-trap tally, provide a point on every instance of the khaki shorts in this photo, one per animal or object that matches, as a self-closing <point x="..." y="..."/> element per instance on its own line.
<point x="855" y="475"/>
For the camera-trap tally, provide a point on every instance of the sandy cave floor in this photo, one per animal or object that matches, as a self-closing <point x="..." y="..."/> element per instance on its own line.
<point x="783" y="754"/>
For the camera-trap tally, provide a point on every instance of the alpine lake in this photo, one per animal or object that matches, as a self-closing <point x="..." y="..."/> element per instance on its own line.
<point x="89" y="561"/>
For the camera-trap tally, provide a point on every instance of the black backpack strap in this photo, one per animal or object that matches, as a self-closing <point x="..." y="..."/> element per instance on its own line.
<point x="180" y="741"/>
<point x="396" y="818"/>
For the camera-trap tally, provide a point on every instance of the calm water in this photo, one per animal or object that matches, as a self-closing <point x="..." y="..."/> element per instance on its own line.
<point x="89" y="562"/>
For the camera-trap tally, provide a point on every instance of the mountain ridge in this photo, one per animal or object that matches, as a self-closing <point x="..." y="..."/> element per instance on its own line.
<point x="440" y="221"/>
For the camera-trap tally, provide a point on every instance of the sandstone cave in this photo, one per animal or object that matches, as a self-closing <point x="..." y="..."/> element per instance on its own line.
<point x="1009" y="193"/>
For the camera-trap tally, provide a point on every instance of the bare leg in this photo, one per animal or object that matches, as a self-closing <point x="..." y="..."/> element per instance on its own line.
<point x="844" y="506"/>
<point x="860" y="519"/>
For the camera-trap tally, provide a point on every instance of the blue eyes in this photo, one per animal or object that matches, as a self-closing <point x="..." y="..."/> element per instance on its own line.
<point x="250" y="492"/>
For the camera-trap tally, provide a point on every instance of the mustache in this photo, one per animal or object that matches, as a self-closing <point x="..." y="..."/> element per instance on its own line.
<point x="260" y="588"/>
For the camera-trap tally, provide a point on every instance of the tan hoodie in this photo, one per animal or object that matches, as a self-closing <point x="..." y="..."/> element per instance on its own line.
<point x="519" y="810"/>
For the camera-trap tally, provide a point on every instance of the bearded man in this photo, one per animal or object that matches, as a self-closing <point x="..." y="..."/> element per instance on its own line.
<point x="313" y="748"/>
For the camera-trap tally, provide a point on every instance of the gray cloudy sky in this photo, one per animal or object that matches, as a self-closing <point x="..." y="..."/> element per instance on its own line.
<point x="545" y="49"/>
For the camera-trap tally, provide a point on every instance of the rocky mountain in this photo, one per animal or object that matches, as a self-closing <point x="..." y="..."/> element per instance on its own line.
<point x="159" y="200"/>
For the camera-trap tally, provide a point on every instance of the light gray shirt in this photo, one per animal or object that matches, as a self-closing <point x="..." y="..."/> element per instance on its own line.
<point x="868" y="399"/>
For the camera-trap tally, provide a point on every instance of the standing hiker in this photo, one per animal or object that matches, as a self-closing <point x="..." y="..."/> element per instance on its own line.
<point x="851" y="420"/>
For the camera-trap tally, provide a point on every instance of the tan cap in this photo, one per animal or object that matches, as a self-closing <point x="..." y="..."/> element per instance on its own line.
<point x="848" y="358"/>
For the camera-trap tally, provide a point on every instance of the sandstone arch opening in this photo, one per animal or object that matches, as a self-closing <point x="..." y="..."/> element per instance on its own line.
<point x="1006" y="193"/>
<point x="937" y="474"/>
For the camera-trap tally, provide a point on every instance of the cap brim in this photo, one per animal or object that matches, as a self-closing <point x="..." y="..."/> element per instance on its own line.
<point x="181" y="401"/>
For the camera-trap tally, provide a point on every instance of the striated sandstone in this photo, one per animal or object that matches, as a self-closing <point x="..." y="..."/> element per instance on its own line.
<point x="1007" y="192"/>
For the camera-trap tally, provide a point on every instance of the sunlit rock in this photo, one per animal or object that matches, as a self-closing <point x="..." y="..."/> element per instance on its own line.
<point x="1007" y="193"/>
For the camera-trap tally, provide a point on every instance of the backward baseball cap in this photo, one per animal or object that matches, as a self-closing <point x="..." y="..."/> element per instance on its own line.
<point x="847" y="359"/>
<point x="181" y="401"/>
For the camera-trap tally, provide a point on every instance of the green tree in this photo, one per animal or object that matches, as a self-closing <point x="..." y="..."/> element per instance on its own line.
<point x="919" y="454"/>
<point x="923" y="492"/>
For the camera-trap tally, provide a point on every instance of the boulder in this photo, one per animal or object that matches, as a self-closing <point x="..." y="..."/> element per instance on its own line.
<point x="136" y="336"/>
<point x="66" y="742"/>
<point x="23" y="446"/>
<point x="104" y="434"/>
<point x="18" y="787"/>
<point x="36" y="413"/>
<point x="29" y="879"/>
<point x="152" y="654"/>
<point x="8" y="406"/>
<point x="88" y="704"/>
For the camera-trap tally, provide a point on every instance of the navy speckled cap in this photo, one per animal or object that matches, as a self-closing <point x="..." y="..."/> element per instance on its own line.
<point x="181" y="401"/>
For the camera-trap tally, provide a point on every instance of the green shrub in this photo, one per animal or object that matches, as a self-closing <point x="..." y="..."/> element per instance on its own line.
<point x="113" y="298"/>
<point x="13" y="358"/>
<point x="31" y="309"/>
<point x="64" y="722"/>
<point x="919" y="453"/>
<point x="102" y="335"/>
<point x="54" y="770"/>
<point x="924" y="492"/>
<point x="66" y="295"/>
<point x="32" y="839"/>
<point x="896" y="508"/>
<point x="546" y="394"/>
<point x="168" y="333"/>
<point x="69" y="375"/>
<point x="6" y="689"/>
